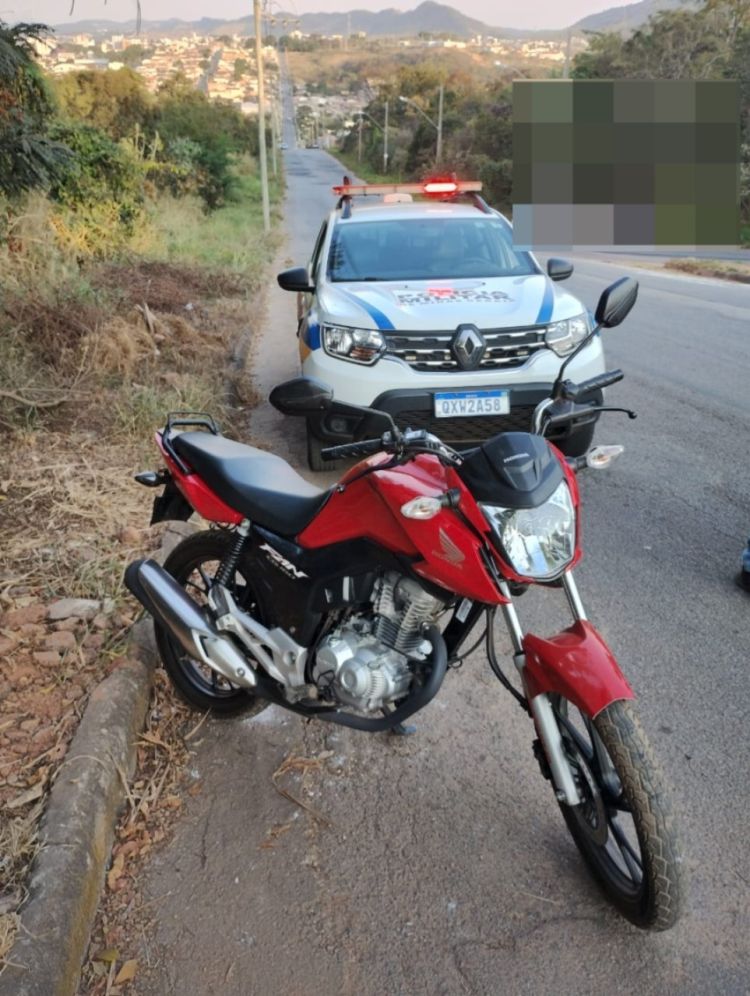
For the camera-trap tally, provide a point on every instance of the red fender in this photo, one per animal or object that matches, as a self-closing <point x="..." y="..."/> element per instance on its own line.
<point x="578" y="664"/>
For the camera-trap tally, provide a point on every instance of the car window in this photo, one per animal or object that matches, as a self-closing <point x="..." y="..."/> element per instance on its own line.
<point x="426" y="249"/>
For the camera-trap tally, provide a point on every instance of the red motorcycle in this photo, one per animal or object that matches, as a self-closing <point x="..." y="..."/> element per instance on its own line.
<point x="351" y="604"/>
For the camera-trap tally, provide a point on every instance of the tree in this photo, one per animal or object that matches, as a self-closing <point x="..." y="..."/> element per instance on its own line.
<point x="115" y="101"/>
<point x="28" y="156"/>
<point x="214" y="130"/>
<point x="133" y="55"/>
<point x="241" y="68"/>
<point x="101" y="171"/>
<point x="710" y="43"/>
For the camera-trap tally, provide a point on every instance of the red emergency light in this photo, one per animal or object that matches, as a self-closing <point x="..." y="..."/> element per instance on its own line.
<point x="434" y="187"/>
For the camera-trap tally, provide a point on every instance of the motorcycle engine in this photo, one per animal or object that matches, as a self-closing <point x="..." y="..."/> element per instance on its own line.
<point x="366" y="662"/>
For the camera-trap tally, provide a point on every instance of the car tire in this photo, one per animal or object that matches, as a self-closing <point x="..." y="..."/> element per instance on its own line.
<point x="315" y="460"/>
<point x="578" y="443"/>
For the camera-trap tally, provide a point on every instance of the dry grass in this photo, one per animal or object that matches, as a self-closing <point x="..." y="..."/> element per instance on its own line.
<point x="18" y="846"/>
<point x="166" y="286"/>
<point x="92" y="357"/>
<point x="721" y="269"/>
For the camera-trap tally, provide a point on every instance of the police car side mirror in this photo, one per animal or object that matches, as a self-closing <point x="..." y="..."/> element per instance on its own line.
<point x="559" y="269"/>
<point x="296" y="279"/>
<point x="301" y="396"/>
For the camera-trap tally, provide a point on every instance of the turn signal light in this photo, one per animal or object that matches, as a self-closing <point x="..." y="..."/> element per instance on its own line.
<point x="421" y="508"/>
<point x="602" y="456"/>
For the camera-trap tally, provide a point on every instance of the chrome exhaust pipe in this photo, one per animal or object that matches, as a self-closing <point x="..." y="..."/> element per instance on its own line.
<point x="170" y="605"/>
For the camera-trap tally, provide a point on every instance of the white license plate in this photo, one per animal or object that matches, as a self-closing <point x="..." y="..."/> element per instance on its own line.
<point x="458" y="404"/>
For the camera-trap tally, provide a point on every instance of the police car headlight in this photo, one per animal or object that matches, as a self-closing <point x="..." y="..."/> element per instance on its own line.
<point x="356" y="345"/>
<point x="563" y="337"/>
<point x="537" y="542"/>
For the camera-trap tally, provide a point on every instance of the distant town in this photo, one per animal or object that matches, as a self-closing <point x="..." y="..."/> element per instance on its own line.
<point x="224" y="67"/>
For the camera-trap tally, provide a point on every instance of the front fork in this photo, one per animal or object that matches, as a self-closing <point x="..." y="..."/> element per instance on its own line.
<point x="540" y="705"/>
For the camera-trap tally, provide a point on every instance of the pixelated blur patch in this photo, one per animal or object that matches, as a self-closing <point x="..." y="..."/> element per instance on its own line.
<point x="601" y="163"/>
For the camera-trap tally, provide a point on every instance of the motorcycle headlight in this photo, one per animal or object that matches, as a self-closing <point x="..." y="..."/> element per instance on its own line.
<point x="356" y="345"/>
<point x="563" y="337"/>
<point x="537" y="542"/>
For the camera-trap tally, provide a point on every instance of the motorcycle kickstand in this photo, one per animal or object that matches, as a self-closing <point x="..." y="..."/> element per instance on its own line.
<point x="399" y="729"/>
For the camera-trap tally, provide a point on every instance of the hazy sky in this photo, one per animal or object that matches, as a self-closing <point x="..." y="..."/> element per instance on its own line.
<point x="499" y="13"/>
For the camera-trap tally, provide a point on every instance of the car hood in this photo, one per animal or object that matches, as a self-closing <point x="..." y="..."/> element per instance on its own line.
<point x="442" y="305"/>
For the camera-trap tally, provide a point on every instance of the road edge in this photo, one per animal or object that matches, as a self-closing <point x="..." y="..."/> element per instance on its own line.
<point x="77" y="832"/>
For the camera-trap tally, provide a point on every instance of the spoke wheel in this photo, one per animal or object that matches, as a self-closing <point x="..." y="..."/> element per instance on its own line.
<point x="194" y="564"/>
<point x="624" y="826"/>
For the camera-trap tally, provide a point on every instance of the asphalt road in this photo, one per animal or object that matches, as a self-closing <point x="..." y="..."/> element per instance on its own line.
<point x="441" y="864"/>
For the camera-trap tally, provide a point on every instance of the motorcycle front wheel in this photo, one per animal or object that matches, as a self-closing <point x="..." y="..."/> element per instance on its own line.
<point x="194" y="563"/>
<point x="625" y="826"/>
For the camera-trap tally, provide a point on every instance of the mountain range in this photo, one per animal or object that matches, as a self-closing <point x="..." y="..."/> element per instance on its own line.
<point x="629" y="17"/>
<point x="429" y="17"/>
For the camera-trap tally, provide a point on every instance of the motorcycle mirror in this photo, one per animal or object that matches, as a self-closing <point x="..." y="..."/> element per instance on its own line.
<point x="612" y="309"/>
<point x="301" y="396"/>
<point x="559" y="269"/>
<point x="296" y="279"/>
<point x="616" y="302"/>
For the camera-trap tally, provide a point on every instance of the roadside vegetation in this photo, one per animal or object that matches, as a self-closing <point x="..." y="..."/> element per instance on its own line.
<point x="739" y="272"/>
<point x="330" y="71"/>
<point x="132" y="256"/>
<point x="707" y="42"/>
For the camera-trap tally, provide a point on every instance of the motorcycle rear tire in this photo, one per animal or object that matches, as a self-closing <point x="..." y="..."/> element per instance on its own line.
<point x="655" y="903"/>
<point x="195" y="683"/>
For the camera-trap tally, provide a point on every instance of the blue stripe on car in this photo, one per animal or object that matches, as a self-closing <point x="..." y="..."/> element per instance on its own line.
<point x="382" y="321"/>
<point x="313" y="335"/>
<point x="310" y="334"/>
<point x="545" y="310"/>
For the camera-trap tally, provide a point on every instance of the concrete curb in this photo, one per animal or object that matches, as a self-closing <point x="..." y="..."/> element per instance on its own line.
<point x="77" y="834"/>
<point x="78" y="826"/>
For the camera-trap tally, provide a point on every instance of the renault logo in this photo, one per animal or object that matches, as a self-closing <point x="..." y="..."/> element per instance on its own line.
<point x="468" y="347"/>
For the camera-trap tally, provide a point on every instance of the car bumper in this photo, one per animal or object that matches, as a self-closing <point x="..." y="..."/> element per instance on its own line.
<point x="414" y="409"/>
<point x="395" y="388"/>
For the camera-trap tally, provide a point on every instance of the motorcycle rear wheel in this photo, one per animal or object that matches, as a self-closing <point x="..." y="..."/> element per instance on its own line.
<point x="625" y="826"/>
<point x="193" y="563"/>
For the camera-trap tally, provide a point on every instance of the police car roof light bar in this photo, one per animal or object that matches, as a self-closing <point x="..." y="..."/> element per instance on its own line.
<point x="442" y="189"/>
<point x="430" y="188"/>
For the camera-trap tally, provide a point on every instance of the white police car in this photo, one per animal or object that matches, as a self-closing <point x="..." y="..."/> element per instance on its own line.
<point x="424" y="309"/>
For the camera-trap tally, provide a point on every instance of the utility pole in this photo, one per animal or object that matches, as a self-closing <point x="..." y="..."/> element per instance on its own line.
<point x="566" y="66"/>
<point x="359" y="139"/>
<point x="439" y="155"/>
<point x="262" y="119"/>
<point x="274" y="142"/>
<point x="385" y="140"/>
<point x="439" y="126"/>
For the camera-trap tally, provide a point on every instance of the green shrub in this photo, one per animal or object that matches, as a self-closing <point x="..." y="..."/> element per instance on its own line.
<point x="101" y="172"/>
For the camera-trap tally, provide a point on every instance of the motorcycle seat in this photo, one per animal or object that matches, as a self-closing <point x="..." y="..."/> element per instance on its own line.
<point x="260" y="485"/>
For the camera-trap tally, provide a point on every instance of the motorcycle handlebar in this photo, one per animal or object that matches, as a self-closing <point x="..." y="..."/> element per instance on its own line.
<point x="363" y="448"/>
<point x="572" y="392"/>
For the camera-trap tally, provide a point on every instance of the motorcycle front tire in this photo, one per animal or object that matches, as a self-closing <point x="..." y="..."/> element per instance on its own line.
<point x="652" y="898"/>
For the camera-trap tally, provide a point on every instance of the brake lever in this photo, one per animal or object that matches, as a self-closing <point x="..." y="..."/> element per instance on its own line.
<point x="585" y="413"/>
<point x="625" y="411"/>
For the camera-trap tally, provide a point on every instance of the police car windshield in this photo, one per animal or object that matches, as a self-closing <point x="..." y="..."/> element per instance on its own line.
<point x="425" y="249"/>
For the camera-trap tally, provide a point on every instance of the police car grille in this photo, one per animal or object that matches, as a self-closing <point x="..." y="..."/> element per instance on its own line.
<point x="506" y="348"/>
<point x="473" y="429"/>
